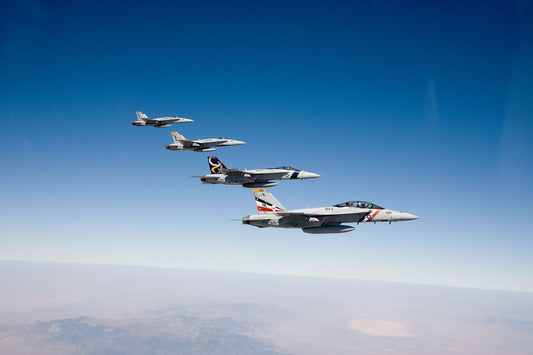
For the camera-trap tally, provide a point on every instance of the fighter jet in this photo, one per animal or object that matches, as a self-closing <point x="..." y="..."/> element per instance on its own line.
<point x="251" y="178"/>
<point x="143" y="120"/>
<point x="200" y="145"/>
<point x="319" y="220"/>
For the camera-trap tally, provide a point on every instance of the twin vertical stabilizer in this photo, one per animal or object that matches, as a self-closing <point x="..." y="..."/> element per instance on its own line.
<point x="141" y="116"/>
<point x="178" y="138"/>
<point x="215" y="165"/>
<point x="266" y="202"/>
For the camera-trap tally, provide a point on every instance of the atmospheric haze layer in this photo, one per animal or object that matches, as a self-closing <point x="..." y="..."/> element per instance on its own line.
<point x="86" y="309"/>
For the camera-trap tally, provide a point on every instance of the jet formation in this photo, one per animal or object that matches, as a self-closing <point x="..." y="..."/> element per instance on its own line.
<point x="319" y="220"/>
<point x="251" y="178"/>
<point x="143" y="120"/>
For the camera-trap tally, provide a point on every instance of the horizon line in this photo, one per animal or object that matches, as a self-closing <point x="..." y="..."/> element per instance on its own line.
<point x="260" y="273"/>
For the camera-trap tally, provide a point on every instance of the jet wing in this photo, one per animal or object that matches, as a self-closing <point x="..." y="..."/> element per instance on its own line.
<point x="252" y="174"/>
<point x="163" y="120"/>
<point x="171" y="119"/>
<point x="323" y="218"/>
<point x="208" y="143"/>
<point x="301" y="219"/>
<point x="159" y="121"/>
<point x="238" y="173"/>
<point x="232" y="172"/>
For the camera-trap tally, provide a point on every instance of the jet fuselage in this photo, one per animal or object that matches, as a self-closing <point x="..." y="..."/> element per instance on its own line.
<point x="321" y="219"/>
<point x="314" y="217"/>
<point x="202" y="145"/>
<point x="257" y="177"/>
<point x="143" y="120"/>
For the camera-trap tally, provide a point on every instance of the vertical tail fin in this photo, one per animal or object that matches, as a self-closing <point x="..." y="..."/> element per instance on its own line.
<point x="215" y="165"/>
<point x="141" y="116"/>
<point x="177" y="138"/>
<point x="266" y="202"/>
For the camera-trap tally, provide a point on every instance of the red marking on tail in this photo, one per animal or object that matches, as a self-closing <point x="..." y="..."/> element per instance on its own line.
<point x="266" y="209"/>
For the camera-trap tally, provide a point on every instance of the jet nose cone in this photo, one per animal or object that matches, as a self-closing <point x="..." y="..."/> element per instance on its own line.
<point x="239" y="143"/>
<point x="408" y="216"/>
<point x="246" y="220"/>
<point x="187" y="120"/>
<point x="307" y="175"/>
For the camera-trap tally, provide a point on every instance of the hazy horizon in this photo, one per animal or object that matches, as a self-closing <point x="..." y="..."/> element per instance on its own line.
<point x="94" y="309"/>
<point x="259" y="273"/>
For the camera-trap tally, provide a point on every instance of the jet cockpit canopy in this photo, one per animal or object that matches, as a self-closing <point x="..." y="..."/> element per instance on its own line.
<point x="360" y="204"/>
<point x="286" y="168"/>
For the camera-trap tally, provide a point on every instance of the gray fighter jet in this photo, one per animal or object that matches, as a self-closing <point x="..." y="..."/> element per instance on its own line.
<point x="143" y="120"/>
<point x="251" y="178"/>
<point x="200" y="145"/>
<point x="319" y="220"/>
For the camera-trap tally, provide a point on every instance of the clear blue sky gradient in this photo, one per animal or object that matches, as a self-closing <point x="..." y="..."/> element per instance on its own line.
<point x="421" y="107"/>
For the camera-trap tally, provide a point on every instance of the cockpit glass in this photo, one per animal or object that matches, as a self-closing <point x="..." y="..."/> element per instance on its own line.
<point x="359" y="204"/>
<point x="286" y="168"/>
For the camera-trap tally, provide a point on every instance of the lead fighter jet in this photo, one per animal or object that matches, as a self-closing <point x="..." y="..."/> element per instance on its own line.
<point x="200" y="145"/>
<point x="251" y="178"/>
<point x="143" y="120"/>
<point x="319" y="220"/>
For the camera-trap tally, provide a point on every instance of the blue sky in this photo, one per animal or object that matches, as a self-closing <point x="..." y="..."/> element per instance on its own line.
<point x="424" y="108"/>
